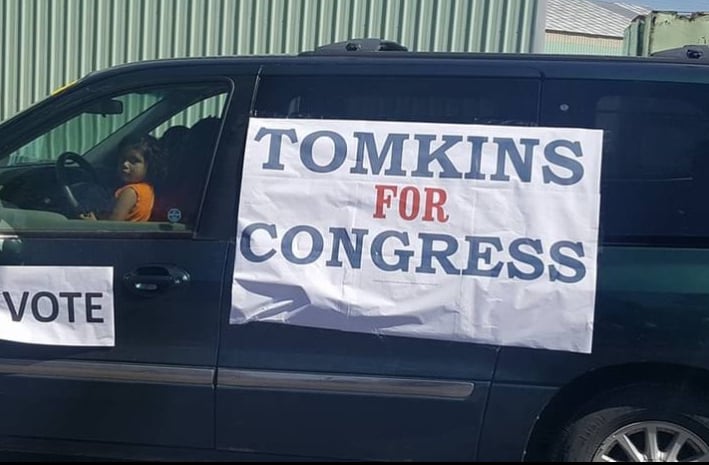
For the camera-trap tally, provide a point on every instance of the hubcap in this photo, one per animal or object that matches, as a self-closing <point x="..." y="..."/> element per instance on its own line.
<point x="652" y="441"/>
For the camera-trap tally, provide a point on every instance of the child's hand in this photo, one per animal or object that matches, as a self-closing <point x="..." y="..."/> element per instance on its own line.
<point x="87" y="216"/>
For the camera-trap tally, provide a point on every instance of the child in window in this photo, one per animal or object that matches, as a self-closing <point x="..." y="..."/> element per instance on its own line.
<point x="140" y="167"/>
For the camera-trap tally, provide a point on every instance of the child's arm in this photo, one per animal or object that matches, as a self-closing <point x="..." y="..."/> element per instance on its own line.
<point x="124" y="203"/>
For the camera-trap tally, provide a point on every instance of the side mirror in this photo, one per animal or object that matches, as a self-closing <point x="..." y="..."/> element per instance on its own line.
<point x="105" y="107"/>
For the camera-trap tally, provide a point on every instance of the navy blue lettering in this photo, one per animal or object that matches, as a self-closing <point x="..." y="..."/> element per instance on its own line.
<point x="555" y="158"/>
<point x="523" y="165"/>
<point x="315" y="249"/>
<point x="339" y="153"/>
<point x="274" y="148"/>
<point x="475" y="254"/>
<point x="404" y="256"/>
<point x="520" y="255"/>
<point x="245" y="243"/>
<point x="393" y="144"/>
<point x="54" y="303"/>
<point x="340" y="237"/>
<point x="14" y="313"/>
<point x="90" y="307"/>
<point x="426" y="156"/>
<point x="70" y="296"/>
<point x="476" y="157"/>
<point x="565" y="260"/>
<point x="427" y="253"/>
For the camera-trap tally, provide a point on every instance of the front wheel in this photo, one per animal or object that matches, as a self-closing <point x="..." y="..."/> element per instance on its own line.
<point x="642" y="423"/>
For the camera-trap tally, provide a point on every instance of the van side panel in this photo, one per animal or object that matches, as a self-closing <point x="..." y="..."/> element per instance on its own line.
<point x="511" y="413"/>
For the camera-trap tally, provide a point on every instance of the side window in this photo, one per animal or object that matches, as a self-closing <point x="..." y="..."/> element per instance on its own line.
<point x="133" y="161"/>
<point x="208" y="108"/>
<point x="504" y="101"/>
<point x="655" y="173"/>
<point x="85" y="130"/>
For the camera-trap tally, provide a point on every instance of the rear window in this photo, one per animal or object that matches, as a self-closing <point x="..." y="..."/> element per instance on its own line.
<point x="655" y="175"/>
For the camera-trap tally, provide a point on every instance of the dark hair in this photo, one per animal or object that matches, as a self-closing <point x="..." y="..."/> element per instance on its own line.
<point x="153" y="154"/>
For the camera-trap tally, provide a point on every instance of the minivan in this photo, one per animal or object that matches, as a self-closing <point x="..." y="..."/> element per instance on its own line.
<point x="172" y="374"/>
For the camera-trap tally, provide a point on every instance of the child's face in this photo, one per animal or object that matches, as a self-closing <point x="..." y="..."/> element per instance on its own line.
<point x="132" y="166"/>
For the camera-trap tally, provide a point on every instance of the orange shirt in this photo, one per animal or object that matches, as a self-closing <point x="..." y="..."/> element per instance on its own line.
<point x="144" y="204"/>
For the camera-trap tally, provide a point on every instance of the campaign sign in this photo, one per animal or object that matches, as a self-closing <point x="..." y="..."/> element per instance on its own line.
<point x="57" y="305"/>
<point x="475" y="233"/>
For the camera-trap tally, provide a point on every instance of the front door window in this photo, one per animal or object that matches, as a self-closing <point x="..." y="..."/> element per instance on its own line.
<point x="132" y="161"/>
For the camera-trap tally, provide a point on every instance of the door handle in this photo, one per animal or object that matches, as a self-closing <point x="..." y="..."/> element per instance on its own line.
<point x="151" y="280"/>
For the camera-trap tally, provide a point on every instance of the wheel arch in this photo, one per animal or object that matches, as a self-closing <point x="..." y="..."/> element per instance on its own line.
<point x="562" y="407"/>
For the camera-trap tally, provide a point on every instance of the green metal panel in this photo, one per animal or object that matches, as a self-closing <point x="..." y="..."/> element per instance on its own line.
<point x="659" y="31"/>
<point x="631" y="36"/>
<point x="48" y="43"/>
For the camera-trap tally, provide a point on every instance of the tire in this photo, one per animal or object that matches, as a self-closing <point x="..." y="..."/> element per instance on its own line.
<point x="622" y="423"/>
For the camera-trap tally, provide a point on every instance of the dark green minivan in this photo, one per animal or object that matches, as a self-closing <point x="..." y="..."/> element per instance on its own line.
<point x="177" y="381"/>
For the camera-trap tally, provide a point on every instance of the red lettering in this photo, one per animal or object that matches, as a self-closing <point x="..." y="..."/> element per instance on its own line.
<point x="404" y="201"/>
<point x="435" y="198"/>
<point x="410" y="202"/>
<point x="384" y="195"/>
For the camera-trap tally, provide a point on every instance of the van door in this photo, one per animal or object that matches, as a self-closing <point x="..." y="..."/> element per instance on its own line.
<point x="154" y="386"/>
<point x="305" y="391"/>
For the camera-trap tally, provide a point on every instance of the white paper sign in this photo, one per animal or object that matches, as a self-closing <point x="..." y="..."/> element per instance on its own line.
<point x="472" y="233"/>
<point x="57" y="305"/>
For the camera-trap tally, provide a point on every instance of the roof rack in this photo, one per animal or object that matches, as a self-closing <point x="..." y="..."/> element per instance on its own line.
<point x="354" y="46"/>
<point x="688" y="52"/>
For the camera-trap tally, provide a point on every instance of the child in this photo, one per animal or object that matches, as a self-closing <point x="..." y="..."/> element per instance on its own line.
<point x="140" y="167"/>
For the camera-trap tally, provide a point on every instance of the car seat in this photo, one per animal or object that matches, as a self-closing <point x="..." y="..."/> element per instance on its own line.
<point x="177" y="200"/>
<point x="173" y="138"/>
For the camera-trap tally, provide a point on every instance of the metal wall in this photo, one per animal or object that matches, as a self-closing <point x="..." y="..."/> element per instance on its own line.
<point x="46" y="43"/>
<point x="581" y="44"/>
<point x="659" y="31"/>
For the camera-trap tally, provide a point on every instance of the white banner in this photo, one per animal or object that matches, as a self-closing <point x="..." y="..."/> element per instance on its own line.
<point x="472" y="233"/>
<point x="57" y="305"/>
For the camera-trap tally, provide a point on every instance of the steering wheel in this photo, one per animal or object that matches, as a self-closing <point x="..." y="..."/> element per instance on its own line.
<point x="64" y="179"/>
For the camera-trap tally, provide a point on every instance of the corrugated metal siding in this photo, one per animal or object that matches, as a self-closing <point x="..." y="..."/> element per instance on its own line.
<point x="579" y="44"/>
<point x="48" y="43"/>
